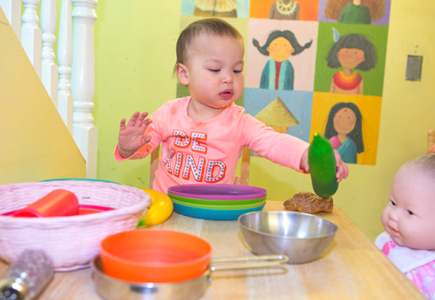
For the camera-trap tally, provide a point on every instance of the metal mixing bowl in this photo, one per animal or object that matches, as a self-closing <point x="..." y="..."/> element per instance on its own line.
<point x="302" y="237"/>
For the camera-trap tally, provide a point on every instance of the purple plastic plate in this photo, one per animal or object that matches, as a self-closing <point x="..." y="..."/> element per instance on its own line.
<point x="217" y="191"/>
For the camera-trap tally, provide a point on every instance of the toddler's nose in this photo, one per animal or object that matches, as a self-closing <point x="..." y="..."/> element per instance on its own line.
<point x="228" y="78"/>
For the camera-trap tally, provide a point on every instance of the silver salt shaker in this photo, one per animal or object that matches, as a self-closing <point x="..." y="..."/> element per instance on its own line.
<point x="27" y="276"/>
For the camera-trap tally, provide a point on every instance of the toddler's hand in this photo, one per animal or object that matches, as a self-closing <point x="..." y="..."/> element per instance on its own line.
<point x="431" y="149"/>
<point x="304" y="163"/>
<point x="342" y="170"/>
<point x="131" y="137"/>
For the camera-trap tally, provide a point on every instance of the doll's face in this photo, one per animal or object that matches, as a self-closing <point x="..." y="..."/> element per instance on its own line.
<point x="280" y="49"/>
<point x="344" y="121"/>
<point x="409" y="217"/>
<point x="350" y="57"/>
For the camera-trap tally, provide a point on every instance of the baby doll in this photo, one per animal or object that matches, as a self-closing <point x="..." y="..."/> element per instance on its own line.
<point x="409" y="221"/>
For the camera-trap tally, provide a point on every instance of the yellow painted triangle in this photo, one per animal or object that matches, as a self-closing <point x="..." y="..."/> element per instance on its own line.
<point x="34" y="142"/>
<point x="277" y="114"/>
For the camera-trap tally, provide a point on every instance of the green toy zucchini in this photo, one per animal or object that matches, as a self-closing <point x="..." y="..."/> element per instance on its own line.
<point x="323" y="167"/>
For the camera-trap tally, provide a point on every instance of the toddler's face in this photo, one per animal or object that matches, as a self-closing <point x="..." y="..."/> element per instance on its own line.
<point x="215" y="70"/>
<point x="409" y="217"/>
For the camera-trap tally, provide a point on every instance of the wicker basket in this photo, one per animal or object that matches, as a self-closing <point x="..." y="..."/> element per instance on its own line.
<point x="73" y="241"/>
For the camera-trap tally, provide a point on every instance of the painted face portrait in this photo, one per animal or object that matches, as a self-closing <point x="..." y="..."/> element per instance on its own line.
<point x="280" y="49"/>
<point x="344" y="121"/>
<point x="350" y="57"/>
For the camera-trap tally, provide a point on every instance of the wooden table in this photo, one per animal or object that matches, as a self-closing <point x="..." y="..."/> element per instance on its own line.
<point x="351" y="268"/>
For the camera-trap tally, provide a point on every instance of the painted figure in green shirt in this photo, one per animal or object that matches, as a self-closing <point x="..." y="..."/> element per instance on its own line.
<point x="355" y="13"/>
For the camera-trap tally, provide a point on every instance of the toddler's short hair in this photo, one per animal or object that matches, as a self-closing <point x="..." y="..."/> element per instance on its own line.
<point x="209" y="26"/>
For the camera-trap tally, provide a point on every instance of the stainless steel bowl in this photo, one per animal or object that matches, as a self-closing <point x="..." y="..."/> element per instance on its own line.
<point x="302" y="237"/>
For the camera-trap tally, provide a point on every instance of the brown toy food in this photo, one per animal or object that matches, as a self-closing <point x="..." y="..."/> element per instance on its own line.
<point x="307" y="202"/>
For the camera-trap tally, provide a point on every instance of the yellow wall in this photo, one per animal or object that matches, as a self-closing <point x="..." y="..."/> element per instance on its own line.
<point x="34" y="142"/>
<point x="135" y="53"/>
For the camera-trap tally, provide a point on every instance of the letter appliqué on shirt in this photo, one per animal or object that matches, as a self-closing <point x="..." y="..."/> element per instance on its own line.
<point x="210" y="168"/>
<point x="182" y="140"/>
<point x="197" y="144"/>
<point x="196" y="170"/>
<point x="168" y="160"/>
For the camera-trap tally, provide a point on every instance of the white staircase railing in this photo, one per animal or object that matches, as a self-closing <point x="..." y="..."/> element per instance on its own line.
<point x="83" y="81"/>
<point x="31" y="34"/>
<point x="49" y="68"/>
<point x="76" y="60"/>
<point x="64" y="56"/>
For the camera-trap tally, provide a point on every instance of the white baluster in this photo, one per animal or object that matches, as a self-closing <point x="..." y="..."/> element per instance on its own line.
<point x="12" y="10"/>
<point x="83" y="81"/>
<point x="64" y="54"/>
<point x="31" y="35"/>
<point x="49" y="68"/>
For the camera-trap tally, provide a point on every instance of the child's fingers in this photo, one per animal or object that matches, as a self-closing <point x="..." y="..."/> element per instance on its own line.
<point x="122" y="124"/>
<point x="345" y="171"/>
<point x="146" y="122"/>
<point x="133" y="119"/>
<point x="342" y="172"/>
<point x="141" y="118"/>
<point x="146" y="140"/>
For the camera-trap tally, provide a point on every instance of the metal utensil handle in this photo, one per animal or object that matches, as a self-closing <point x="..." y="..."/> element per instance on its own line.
<point x="269" y="260"/>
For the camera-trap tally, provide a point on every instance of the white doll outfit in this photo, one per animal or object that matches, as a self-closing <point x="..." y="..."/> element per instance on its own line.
<point x="417" y="265"/>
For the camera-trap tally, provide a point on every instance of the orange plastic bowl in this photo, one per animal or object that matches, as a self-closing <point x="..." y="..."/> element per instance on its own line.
<point x="157" y="256"/>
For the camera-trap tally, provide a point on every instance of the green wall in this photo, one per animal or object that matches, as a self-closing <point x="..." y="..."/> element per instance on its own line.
<point x="135" y="54"/>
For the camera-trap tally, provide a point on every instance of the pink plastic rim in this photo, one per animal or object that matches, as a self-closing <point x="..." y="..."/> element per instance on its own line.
<point x="96" y="207"/>
<point x="217" y="191"/>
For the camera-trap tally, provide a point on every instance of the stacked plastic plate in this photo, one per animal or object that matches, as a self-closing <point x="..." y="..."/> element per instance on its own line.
<point x="216" y="201"/>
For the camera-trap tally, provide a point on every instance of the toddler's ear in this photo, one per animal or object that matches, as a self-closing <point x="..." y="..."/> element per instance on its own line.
<point x="182" y="74"/>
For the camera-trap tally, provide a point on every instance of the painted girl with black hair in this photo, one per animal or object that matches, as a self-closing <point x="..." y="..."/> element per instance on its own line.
<point x="344" y="131"/>
<point x="352" y="51"/>
<point x="278" y="74"/>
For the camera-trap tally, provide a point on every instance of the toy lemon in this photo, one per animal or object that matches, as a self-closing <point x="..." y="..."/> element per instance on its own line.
<point x="160" y="210"/>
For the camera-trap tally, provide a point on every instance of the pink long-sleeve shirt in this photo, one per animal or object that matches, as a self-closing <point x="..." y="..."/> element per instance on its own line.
<point x="208" y="152"/>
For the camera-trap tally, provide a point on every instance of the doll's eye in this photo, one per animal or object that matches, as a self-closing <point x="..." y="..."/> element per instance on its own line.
<point x="410" y="213"/>
<point x="393" y="203"/>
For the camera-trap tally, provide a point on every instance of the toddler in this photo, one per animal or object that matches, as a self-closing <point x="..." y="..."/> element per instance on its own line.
<point x="203" y="135"/>
<point x="409" y="221"/>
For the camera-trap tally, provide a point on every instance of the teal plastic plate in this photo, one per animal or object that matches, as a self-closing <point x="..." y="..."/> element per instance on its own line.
<point x="79" y="179"/>
<point x="214" y="202"/>
<point x="224" y="207"/>
<point x="213" y="214"/>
